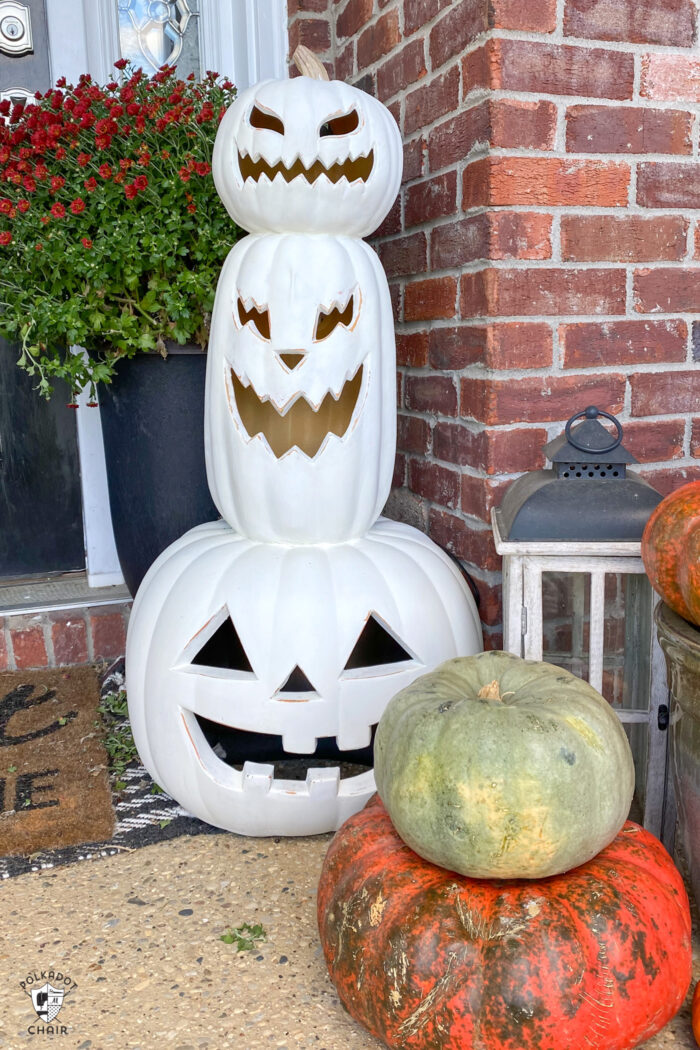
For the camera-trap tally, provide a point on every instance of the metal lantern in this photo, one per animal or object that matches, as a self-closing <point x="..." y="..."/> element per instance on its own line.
<point x="575" y="592"/>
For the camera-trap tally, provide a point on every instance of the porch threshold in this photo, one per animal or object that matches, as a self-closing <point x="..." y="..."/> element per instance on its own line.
<point x="48" y="594"/>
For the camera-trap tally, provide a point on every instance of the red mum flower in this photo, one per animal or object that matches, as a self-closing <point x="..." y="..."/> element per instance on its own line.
<point x="90" y="184"/>
<point x="44" y="219"/>
<point x="57" y="210"/>
<point x="29" y="183"/>
<point x="133" y="108"/>
<point x="120" y="63"/>
<point x="23" y="204"/>
<point x="130" y="191"/>
<point x="140" y="182"/>
<point x="184" y="174"/>
<point x="86" y="242"/>
<point x="5" y="237"/>
<point x="105" y="171"/>
<point x="83" y="159"/>
<point x="202" y="168"/>
<point x="5" y="206"/>
<point x="77" y="205"/>
<point x="60" y="153"/>
<point x="192" y="208"/>
<point x="57" y="183"/>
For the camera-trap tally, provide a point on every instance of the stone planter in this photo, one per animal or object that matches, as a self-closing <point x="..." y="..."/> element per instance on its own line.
<point x="680" y="642"/>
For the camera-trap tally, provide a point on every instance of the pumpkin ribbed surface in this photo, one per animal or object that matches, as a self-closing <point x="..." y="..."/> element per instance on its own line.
<point x="498" y="767"/>
<point x="598" y="958"/>
<point x="671" y="551"/>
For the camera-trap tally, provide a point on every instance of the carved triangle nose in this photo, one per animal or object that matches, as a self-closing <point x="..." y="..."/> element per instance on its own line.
<point x="292" y="360"/>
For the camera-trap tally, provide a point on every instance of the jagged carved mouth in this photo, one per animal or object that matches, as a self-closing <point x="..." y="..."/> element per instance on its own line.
<point x="358" y="170"/>
<point x="238" y="748"/>
<point x="301" y="425"/>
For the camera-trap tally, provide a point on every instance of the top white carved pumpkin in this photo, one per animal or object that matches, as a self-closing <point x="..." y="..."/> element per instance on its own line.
<point x="307" y="155"/>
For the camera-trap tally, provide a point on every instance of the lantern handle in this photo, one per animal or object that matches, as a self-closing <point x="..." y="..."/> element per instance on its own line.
<point x="592" y="413"/>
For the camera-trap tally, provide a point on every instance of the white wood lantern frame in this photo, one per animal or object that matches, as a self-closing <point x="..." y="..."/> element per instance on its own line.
<point x="524" y="562"/>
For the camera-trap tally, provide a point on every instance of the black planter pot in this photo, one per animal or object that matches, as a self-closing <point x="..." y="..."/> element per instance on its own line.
<point x="153" y="427"/>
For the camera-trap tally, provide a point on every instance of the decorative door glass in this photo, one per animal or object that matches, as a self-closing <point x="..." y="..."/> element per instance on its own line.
<point x="153" y="33"/>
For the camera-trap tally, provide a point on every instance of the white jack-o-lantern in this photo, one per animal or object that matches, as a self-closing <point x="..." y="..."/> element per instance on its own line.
<point x="300" y="419"/>
<point x="239" y="648"/>
<point x="307" y="154"/>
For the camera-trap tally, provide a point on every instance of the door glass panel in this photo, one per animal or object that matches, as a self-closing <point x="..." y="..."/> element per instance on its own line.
<point x="638" y="736"/>
<point x="153" y="33"/>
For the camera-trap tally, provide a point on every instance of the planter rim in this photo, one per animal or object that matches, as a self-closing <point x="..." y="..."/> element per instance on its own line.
<point x="676" y="628"/>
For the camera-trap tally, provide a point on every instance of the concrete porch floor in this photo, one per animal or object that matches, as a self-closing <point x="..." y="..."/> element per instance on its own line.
<point x="139" y="934"/>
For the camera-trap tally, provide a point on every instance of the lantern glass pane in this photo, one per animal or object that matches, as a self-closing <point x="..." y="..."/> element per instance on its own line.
<point x="626" y="632"/>
<point x="153" y="33"/>
<point x="638" y="736"/>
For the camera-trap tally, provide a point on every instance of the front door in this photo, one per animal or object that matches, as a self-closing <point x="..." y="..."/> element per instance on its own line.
<point x="41" y="526"/>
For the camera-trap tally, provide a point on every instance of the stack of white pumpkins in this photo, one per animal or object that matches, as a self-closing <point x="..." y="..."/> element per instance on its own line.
<point x="283" y="630"/>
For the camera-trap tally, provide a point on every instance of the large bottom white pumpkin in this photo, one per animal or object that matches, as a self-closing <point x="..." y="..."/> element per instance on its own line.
<point x="291" y="623"/>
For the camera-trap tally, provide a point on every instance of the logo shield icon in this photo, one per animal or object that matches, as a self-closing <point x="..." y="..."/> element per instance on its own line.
<point x="47" y="1001"/>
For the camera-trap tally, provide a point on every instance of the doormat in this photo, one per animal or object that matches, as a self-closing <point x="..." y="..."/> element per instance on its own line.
<point x="142" y="813"/>
<point x="54" y="784"/>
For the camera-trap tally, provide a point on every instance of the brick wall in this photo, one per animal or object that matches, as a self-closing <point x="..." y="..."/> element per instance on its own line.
<point x="63" y="637"/>
<point x="544" y="253"/>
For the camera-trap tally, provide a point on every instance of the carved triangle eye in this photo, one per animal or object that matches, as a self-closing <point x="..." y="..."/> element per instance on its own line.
<point x="224" y="649"/>
<point x="327" y="322"/>
<point x="376" y="647"/>
<point x="259" y="318"/>
<point x="266" y="121"/>
<point x="341" y="125"/>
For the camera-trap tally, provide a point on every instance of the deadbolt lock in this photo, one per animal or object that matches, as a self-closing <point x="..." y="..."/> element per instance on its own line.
<point x="15" y="28"/>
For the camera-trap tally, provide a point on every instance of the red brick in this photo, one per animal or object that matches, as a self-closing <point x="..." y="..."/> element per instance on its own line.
<point x="539" y="399"/>
<point x="401" y="70"/>
<point x="479" y="495"/>
<point x="634" y="21"/>
<point x="628" y="129"/>
<point x="547" y="181"/>
<point x="657" y="441"/>
<point x="662" y="393"/>
<point x="523" y="125"/>
<point x="622" y="343"/>
<point x="494" y="451"/>
<point x="404" y="255"/>
<point x="413" y="434"/>
<point x="474" y="545"/>
<point x="671" y="78"/>
<point x="560" y="69"/>
<point x="435" y="483"/>
<point x="627" y="238"/>
<point x="392" y="222"/>
<point x="666" y="481"/>
<point x="345" y="62"/>
<point x="295" y="7"/>
<point x="695" y="439"/>
<point x="491" y="235"/>
<point x="417" y="13"/>
<point x="355" y="14"/>
<point x="665" y="184"/>
<point x="520" y="235"/>
<point x="452" y="141"/>
<point x="108" y="635"/>
<point x="496" y="347"/>
<point x="395" y="293"/>
<point x="378" y="39"/>
<point x="477" y="68"/>
<point x="435" y="394"/>
<point x="412" y="349"/>
<point x="548" y="292"/>
<point x="431" y="101"/>
<point x="398" y="479"/>
<point x="537" y="17"/>
<point x="490" y="599"/>
<point x="29" y="647"/>
<point x="69" y="637"/>
<point x="4" y="654"/>
<point x="458" y="28"/>
<point x="413" y="155"/>
<point x="431" y="199"/>
<point x="431" y="299"/>
<point x="456" y="347"/>
<point x="669" y="290"/>
<point x="476" y="184"/>
<point x="314" y="33"/>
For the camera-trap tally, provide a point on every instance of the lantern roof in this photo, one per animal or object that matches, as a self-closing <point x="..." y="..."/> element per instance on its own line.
<point x="587" y="496"/>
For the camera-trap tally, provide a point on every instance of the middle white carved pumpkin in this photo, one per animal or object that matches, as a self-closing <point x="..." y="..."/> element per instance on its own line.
<point x="232" y="641"/>
<point x="300" y="421"/>
<point x="310" y="155"/>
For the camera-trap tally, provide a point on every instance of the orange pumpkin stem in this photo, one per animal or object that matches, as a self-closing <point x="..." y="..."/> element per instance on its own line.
<point x="309" y="64"/>
<point x="492" y="691"/>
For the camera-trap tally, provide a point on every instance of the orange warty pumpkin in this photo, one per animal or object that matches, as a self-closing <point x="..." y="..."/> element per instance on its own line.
<point x="671" y="551"/>
<point x="599" y="957"/>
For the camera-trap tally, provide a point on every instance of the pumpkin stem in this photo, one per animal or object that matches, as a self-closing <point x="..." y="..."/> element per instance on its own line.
<point x="490" y="692"/>
<point x="309" y="64"/>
